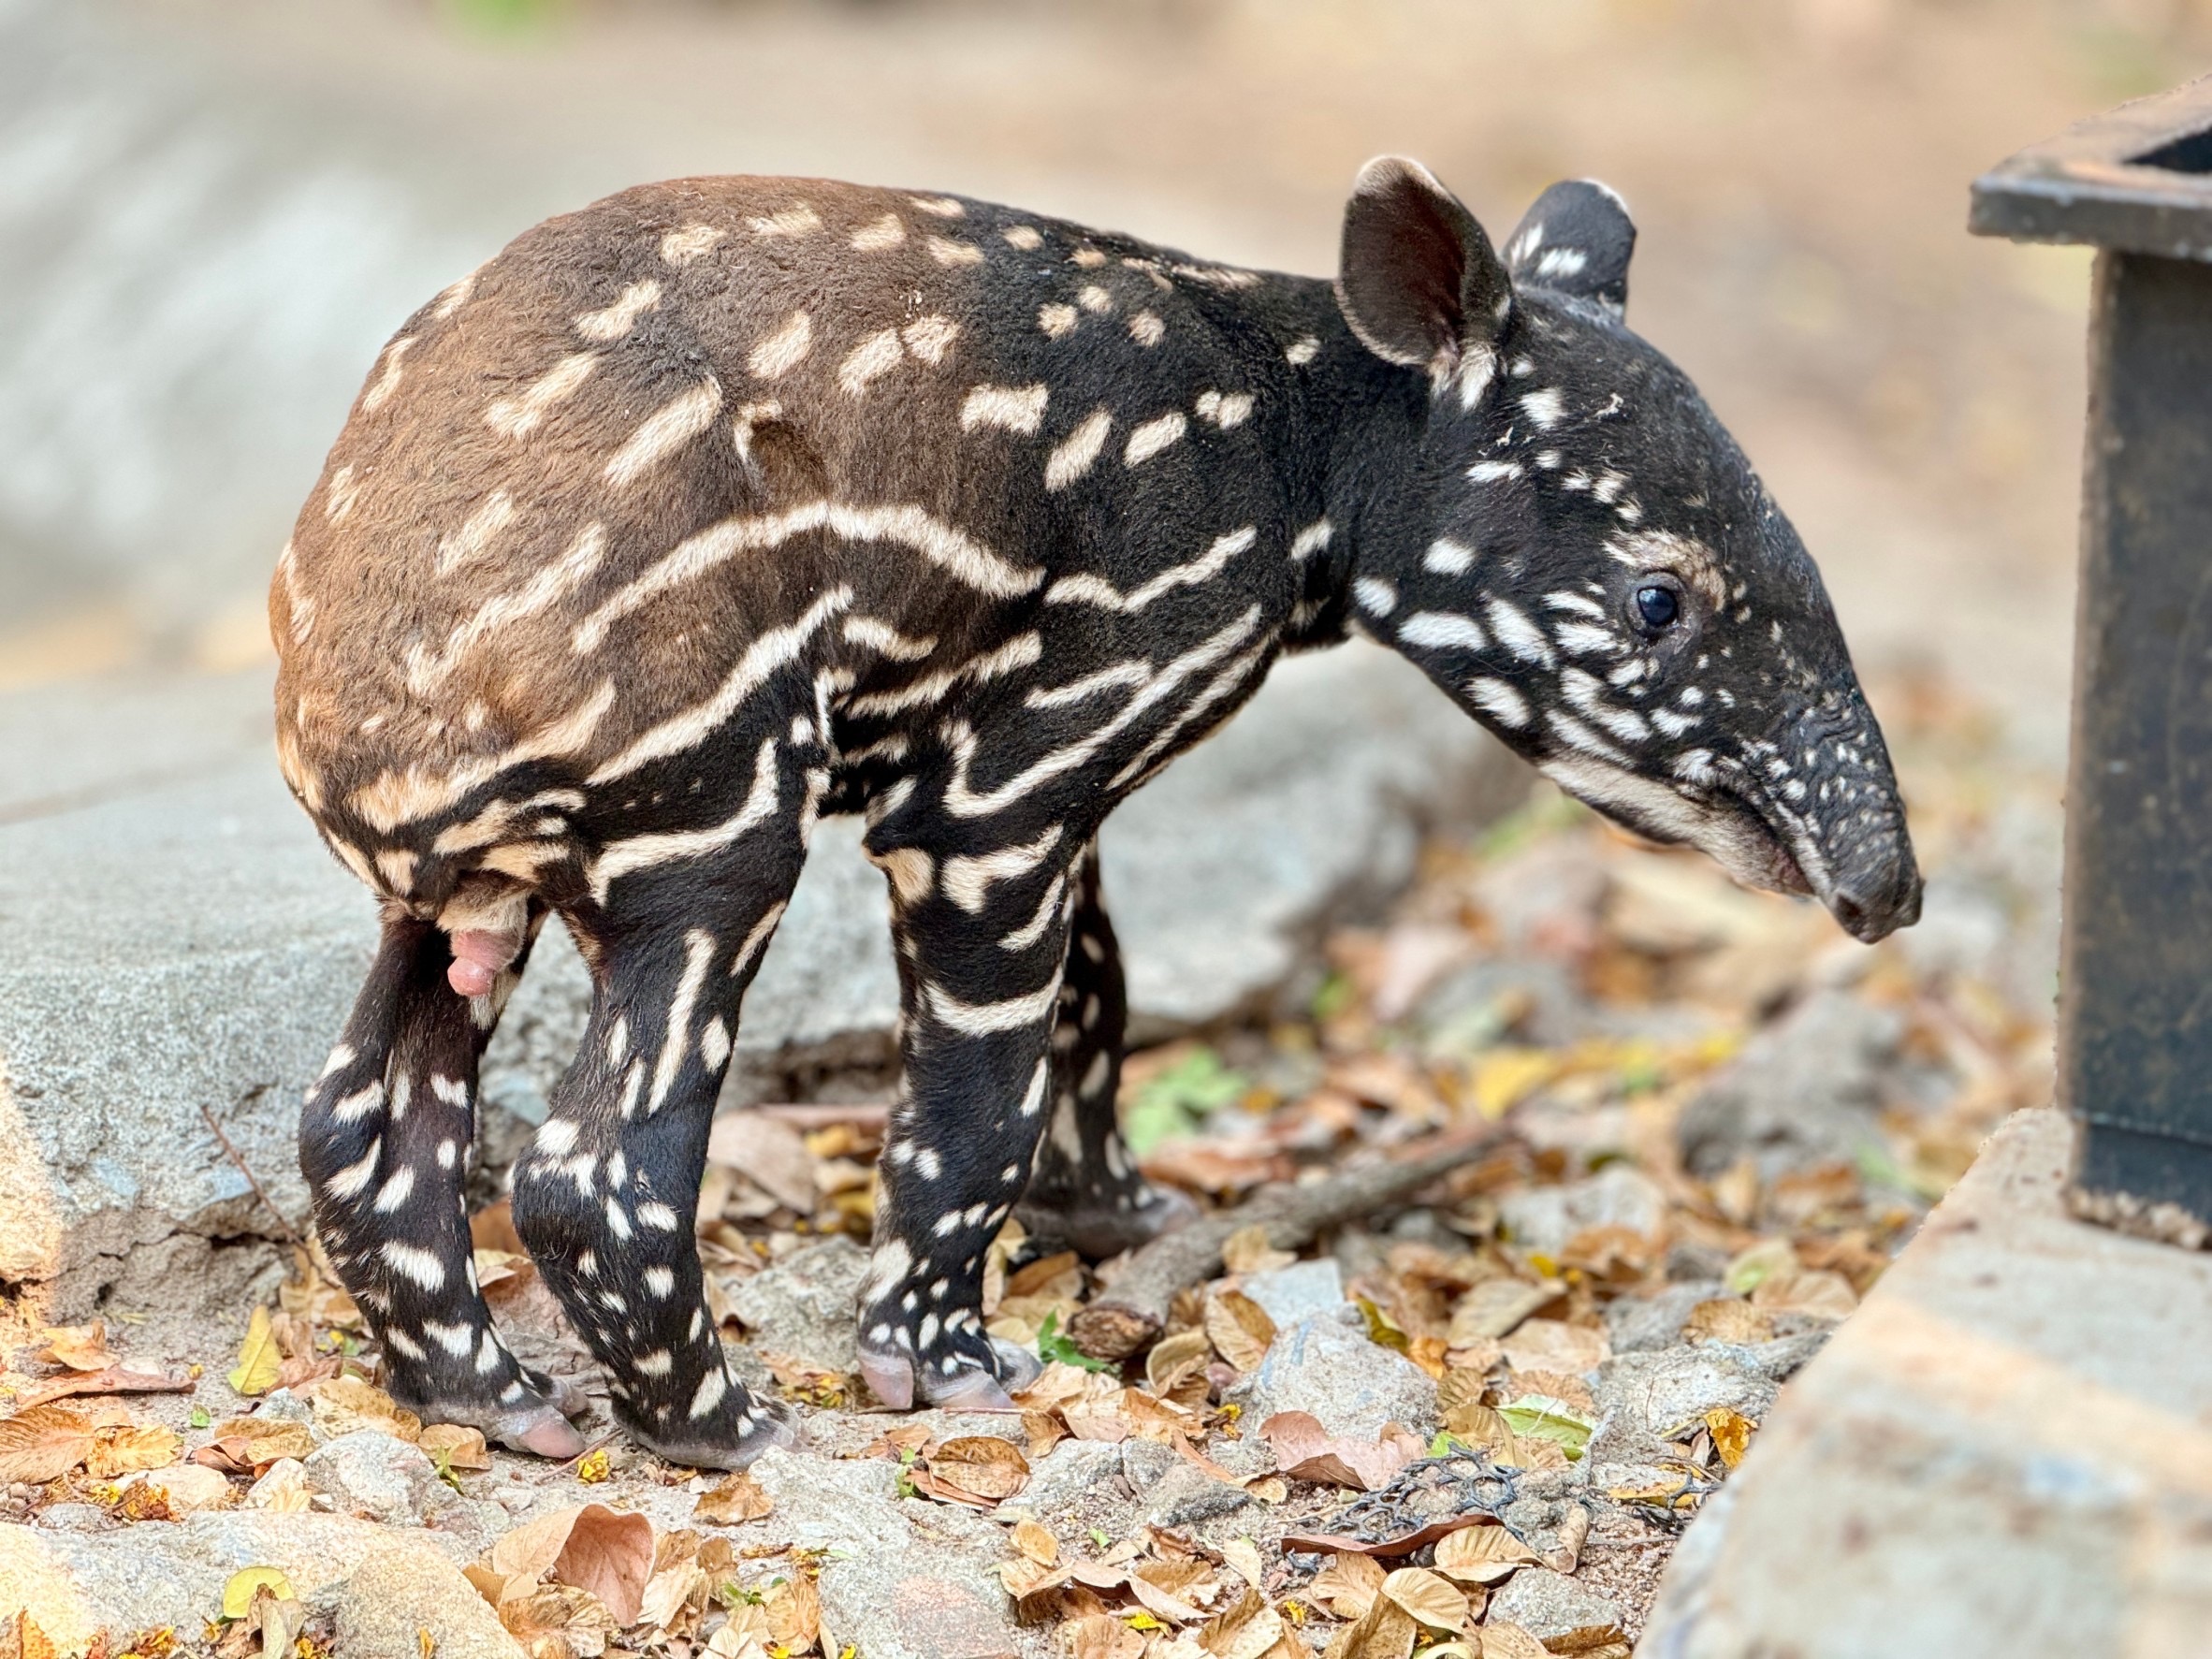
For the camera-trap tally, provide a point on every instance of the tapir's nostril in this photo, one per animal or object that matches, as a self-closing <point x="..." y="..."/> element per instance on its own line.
<point x="1872" y="904"/>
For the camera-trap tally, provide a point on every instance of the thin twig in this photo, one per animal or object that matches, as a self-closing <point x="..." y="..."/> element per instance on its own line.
<point x="236" y="1158"/>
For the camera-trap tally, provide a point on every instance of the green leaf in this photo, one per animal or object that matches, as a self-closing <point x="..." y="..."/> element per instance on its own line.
<point x="1176" y="1100"/>
<point x="199" y="1418"/>
<point x="1543" y="1418"/>
<point x="1054" y="1343"/>
<point x="1100" y="1538"/>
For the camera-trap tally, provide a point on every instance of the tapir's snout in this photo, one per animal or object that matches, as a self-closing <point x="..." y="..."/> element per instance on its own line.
<point x="1876" y="896"/>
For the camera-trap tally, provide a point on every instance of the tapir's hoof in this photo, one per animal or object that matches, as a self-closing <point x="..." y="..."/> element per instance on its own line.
<point x="537" y="1424"/>
<point x="775" y="1423"/>
<point x="891" y="1378"/>
<point x="1096" y="1232"/>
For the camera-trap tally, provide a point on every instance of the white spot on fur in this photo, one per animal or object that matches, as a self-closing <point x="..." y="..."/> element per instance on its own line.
<point x="693" y="241"/>
<point x="1010" y="409"/>
<point x="1073" y="456"/>
<point x="1057" y="320"/>
<point x="618" y="319"/>
<point x="1448" y="557"/>
<point x="1500" y="701"/>
<point x="1153" y="436"/>
<point x="873" y="238"/>
<point x="783" y="350"/>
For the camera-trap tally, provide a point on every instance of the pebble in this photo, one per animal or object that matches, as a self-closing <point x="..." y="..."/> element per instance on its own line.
<point x="371" y="1474"/>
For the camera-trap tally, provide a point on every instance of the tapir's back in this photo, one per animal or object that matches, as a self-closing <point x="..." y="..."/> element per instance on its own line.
<point x="581" y="481"/>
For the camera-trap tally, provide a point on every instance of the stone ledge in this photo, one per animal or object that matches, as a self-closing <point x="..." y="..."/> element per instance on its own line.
<point x="2006" y="1450"/>
<point x="177" y="937"/>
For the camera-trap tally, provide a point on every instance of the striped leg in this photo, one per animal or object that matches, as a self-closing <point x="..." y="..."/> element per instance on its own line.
<point x="1087" y="1192"/>
<point x="382" y="1141"/>
<point x="982" y="940"/>
<point x="607" y="1195"/>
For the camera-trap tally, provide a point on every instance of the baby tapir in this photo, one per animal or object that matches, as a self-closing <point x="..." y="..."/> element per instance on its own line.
<point x="729" y="502"/>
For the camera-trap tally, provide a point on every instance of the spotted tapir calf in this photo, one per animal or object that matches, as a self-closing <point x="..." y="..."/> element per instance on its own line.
<point x="728" y="503"/>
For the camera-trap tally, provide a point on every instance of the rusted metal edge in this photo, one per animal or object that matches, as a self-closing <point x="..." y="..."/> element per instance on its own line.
<point x="2138" y="177"/>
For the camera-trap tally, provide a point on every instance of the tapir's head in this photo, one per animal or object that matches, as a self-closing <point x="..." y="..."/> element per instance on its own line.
<point x="1590" y="566"/>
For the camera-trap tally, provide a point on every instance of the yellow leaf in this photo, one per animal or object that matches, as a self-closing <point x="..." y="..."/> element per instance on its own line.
<point x="1731" y="1433"/>
<point x="41" y="1442"/>
<point x="1504" y="1077"/>
<point x="1429" y="1597"/>
<point x="258" y="1360"/>
<point x="1481" y="1554"/>
<point x="1037" y="1542"/>
<point x="238" y="1590"/>
<point x="592" y="1467"/>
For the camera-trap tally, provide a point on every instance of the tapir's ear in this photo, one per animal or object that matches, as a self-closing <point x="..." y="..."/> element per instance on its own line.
<point x="1576" y="240"/>
<point x="1420" y="283"/>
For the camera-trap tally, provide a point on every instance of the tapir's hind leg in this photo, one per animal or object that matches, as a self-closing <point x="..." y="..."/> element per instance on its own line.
<point x="607" y="1196"/>
<point x="384" y="1142"/>
<point x="1087" y="1192"/>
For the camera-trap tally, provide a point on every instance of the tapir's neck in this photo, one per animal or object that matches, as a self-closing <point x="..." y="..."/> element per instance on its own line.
<point x="1356" y="459"/>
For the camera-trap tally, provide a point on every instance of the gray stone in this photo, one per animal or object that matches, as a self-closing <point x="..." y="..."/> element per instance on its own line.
<point x="397" y="1596"/>
<point x="1544" y="1218"/>
<point x="911" y="1580"/>
<point x="1325" y="1364"/>
<point x="804" y="1304"/>
<point x="1643" y="1398"/>
<point x="1556" y="1611"/>
<point x="1805" y="1091"/>
<point x="155" y="1574"/>
<point x="1066" y="1481"/>
<point x="1145" y="1462"/>
<point x="1291" y="1294"/>
<point x="1639" y="1324"/>
<point x="1186" y="1494"/>
<point x="377" y="1476"/>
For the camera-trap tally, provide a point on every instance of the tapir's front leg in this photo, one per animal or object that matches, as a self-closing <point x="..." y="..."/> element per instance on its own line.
<point x="1087" y="1192"/>
<point x="981" y="939"/>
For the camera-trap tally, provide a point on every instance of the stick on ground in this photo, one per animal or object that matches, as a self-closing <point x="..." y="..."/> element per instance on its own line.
<point x="1134" y="1311"/>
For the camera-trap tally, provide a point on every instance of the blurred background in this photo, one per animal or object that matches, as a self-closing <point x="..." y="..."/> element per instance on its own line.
<point x="212" y="211"/>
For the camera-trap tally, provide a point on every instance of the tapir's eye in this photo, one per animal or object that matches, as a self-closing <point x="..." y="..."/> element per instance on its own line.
<point x="1657" y="605"/>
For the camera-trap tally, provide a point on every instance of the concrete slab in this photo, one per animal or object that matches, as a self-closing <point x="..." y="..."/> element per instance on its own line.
<point x="177" y="939"/>
<point x="2006" y="1450"/>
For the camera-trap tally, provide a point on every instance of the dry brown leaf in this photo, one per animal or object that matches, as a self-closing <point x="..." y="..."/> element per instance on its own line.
<point x="79" y="1347"/>
<point x="767" y="1151"/>
<point x="258" y="1356"/>
<point x="116" y="1380"/>
<point x="1175" y="1358"/>
<point x="978" y="1469"/>
<point x="1238" y="1329"/>
<point x="344" y="1404"/>
<point x="1819" y="1295"/>
<point x="1306" y="1451"/>
<point x="669" y="1592"/>
<point x="1427" y="1596"/>
<point x="1247" y="1629"/>
<point x="116" y="1451"/>
<point x="795" y="1613"/>
<point x="1037" y="1542"/>
<point x="1496" y="1307"/>
<point x="1504" y="1639"/>
<point x="1553" y="1344"/>
<point x="591" y="1547"/>
<point x="249" y="1445"/>
<point x="23" y="1639"/>
<point x="575" y="1618"/>
<point x="1731" y="1433"/>
<point x="1385" y="1631"/>
<point x="1247" y="1251"/>
<point x="43" y="1443"/>
<point x="1482" y="1555"/>
<point x="736" y="1500"/>
<point x="1042" y="1429"/>
<point x="462" y="1447"/>
<point x="1101" y="1635"/>
<point x="1554" y="1385"/>
<point x="1349" y="1585"/>
<point x="1243" y="1556"/>
<point x="1727" y="1318"/>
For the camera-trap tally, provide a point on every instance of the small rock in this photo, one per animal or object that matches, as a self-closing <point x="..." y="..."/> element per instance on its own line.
<point x="1641" y="1398"/>
<point x="1145" y="1464"/>
<point x="1556" y="1611"/>
<point x="1543" y="1218"/>
<point x="408" y="1600"/>
<point x="804" y="1304"/>
<point x="285" y="1404"/>
<point x="1186" y="1494"/>
<point x="371" y="1474"/>
<point x="1325" y="1364"/>
<point x="283" y="1486"/>
<point x="1067" y="1480"/>
<point x="1805" y="1091"/>
<point x="190" y="1485"/>
<point x="1639" y="1324"/>
<point x="1291" y="1294"/>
